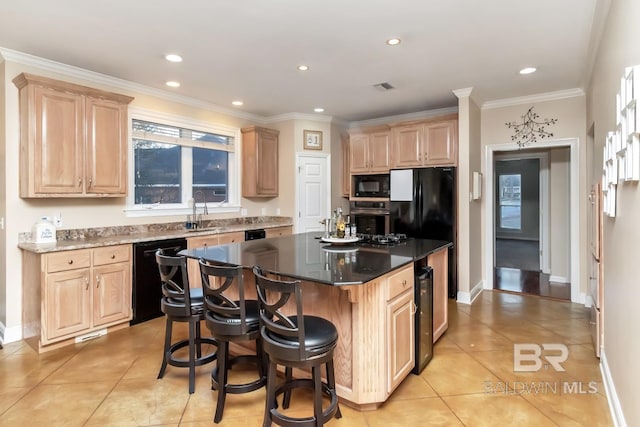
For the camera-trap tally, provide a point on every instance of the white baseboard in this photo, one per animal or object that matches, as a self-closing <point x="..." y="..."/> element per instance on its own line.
<point x="612" y="397"/>
<point x="12" y="334"/>
<point x="559" y="279"/>
<point x="470" y="297"/>
<point x="588" y="301"/>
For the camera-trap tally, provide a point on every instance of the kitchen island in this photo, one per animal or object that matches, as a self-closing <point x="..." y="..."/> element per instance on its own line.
<point x="367" y="291"/>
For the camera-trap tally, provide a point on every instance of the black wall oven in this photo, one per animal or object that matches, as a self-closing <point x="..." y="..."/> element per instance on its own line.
<point x="370" y="217"/>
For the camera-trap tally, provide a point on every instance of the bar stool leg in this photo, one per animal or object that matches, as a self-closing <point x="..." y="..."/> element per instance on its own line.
<point x="270" y="401"/>
<point x="167" y="345"/>
<point x="288" y="377"/>
<point x="331" y="382"/>
<point x="317" y="394"/>
<point x="192" y="357"/>
<point x="223" y="360"/>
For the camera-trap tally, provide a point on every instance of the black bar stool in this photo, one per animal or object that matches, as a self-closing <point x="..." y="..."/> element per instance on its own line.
<point x="182" y="304"/>
<point x="230" y="318"/>
<point x="296" y="341"/>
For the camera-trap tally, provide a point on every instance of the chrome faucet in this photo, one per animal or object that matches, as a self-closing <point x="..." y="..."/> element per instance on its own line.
<point x="205" y="211"/>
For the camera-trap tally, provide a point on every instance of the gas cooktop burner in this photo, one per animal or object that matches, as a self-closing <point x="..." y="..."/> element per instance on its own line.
<point x="387" y="239"/>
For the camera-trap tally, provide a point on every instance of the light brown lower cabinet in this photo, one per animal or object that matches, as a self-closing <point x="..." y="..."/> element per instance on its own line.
<point x="193" y="267"/>
<point x="71" y="293"/>
<point x="278" y="231"/>
<point x="400" y="327"/>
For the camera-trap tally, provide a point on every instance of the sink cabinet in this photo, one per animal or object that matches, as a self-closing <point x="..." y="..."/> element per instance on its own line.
<point x="71" y="293"/>
<point x="278" y="231"/>
<point x="73" y="140"/>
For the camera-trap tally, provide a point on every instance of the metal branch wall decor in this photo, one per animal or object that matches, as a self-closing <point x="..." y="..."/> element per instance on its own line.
<point x="530" y="129"/>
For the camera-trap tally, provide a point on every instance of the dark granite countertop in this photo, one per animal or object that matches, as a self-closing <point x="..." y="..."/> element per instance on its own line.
<point x="305" y="257"/>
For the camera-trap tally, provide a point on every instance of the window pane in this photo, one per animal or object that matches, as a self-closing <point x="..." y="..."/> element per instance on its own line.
<point x="510" y="202"/>
<point x="210" y="175"/>
<point x="157" y="172"/>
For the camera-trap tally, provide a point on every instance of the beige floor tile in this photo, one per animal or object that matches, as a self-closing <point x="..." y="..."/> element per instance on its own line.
<point x="57" y="405"/>
<point x="574" y="330"/>
<point x="420" y="412"/>
<point x="446" y="345"/>
<point x="9" y="396"/>
<point x="413" y="387"/>
<point x="573" y="409"/>
<point x="28" y="369"/>
<point x="456" y="373"/>
<point x="478" y="337"/>
<point x="142" y="403"/>
<point x="496" y="409"/>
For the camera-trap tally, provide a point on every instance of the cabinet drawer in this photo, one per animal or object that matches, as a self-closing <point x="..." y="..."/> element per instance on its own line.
<point x="400" y="282"/>
<point x="111" y="254"/>
<point x="68" y="260"/>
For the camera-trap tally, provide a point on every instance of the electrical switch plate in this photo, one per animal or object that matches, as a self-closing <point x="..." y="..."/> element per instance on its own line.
<point x="263" y="211"/>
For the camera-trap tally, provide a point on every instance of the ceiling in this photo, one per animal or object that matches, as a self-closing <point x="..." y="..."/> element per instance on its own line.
<point x="249" y="49"/>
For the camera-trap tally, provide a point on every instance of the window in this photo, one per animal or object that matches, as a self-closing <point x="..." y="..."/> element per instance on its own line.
<point x="176" y="160"/>
<point x="510" y="201"/>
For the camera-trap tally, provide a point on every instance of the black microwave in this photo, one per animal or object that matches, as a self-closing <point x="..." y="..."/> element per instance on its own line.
<point x="370" y="185"/>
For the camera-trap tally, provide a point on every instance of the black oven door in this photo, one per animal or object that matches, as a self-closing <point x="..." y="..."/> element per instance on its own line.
<point x="371" y="222"/>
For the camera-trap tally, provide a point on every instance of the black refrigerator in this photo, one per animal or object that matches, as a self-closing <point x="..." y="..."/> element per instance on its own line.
<point x="422" y="205"/>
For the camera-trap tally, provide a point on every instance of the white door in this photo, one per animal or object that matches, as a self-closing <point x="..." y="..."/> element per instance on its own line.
<point x="313" y="190"/>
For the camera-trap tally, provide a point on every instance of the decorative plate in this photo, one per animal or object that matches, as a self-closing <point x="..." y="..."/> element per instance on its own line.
<point x="338" y="241"/>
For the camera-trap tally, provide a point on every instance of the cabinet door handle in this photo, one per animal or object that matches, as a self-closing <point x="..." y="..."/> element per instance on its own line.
<point x="414" y="308"/>
<point x="79" y="182"/>
<point x="90" y="182"/>
<point x="97" y="281"/>
<point x="86" y="282"/>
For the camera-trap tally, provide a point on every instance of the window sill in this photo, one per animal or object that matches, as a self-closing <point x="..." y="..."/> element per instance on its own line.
<point x="157" y="210"/>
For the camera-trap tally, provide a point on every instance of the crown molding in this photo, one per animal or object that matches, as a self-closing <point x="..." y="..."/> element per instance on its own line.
<point x="404" y="117"/>
<point x="463" y="93"/>
<point x="103" y="79"/>
<point x="539" y="97"/>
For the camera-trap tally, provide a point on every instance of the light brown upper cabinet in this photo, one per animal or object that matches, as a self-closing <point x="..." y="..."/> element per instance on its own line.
<point x="259" y="162"/>
<point x="370" y="151"/>
<point x="429" y="143"/>
<point x="73" y="139"/>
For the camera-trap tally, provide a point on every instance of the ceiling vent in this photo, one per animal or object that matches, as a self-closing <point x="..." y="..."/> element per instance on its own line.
<point x="384" y="86"/>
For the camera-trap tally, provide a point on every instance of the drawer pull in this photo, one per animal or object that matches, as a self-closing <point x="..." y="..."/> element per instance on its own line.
<point x="404" y="283"/>
<point x="113" y="256"/>
<point x="86" y="282"/>
<point x="97" y="281"/>
<point x="70" y="261"/>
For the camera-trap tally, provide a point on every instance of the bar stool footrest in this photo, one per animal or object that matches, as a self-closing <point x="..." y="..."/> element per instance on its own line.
<point x="240" y="388"/>
<point x="327" y="414"/>
<point x="202" y="360"/>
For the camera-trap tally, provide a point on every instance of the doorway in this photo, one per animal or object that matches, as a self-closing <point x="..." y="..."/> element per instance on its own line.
<point x="569" y="280"/>
<point x="517" y="207"/>
<point x="312" y="191"/>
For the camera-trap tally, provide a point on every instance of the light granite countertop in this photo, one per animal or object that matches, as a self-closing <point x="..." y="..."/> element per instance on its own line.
<point x="108" y="236"/>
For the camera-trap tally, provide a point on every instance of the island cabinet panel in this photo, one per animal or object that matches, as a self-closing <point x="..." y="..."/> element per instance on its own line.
<point x="73" y="139"/>
<point x="439" y="262"/>
<point x="259" y="162"/>
<point x="72" y="293"/>
<point x="375" y="327"/>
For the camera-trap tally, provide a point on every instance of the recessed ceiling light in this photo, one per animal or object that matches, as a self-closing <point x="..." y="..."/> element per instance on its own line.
<point x="319" y="110"/>
<point x="173" y="58"/>
<point x="173" y="84"/>
<point x="303" y="67"/>
<point x="393" y="42"/>
<point x="528" y="70"/>
<point x="237" y="103"/>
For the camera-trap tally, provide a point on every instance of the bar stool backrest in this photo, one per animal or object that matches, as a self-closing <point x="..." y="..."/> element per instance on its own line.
<point x="273" y="294"/>
<point x="228" y="314"/>
<point x="176" y="299"/>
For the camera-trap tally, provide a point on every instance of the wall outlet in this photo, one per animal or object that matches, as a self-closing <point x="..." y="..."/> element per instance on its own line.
<point x="263" y="211"/>
<point x="278" y="211"/>
<point x="243" y="211"/>
<point x="57" y="220"/>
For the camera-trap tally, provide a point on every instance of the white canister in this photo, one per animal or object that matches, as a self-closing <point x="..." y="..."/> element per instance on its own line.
<point x="43" y="231"/>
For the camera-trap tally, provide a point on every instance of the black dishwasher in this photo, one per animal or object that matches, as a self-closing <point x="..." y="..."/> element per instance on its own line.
<point x="424" y="317"/>
<point x="147" y="290"/>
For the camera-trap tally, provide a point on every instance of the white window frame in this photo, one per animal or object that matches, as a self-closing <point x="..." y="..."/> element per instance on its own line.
<point x="232" y="205"/>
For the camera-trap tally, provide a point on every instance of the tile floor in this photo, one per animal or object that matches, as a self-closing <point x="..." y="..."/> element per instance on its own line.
<point x="470" y="381"/>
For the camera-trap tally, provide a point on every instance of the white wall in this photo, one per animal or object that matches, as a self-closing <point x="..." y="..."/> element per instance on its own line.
<point x="618" y="49"/>
<point x="559" y="219"/>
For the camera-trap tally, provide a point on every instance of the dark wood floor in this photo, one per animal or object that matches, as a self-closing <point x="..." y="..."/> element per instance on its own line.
<point x="529" y="282"/>
<point x="518" y="271"/>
